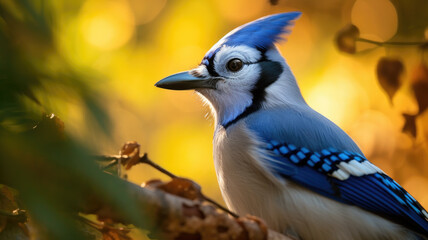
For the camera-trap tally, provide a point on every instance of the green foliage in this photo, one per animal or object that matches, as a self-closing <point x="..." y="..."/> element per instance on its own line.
<point x="52" y="171"/>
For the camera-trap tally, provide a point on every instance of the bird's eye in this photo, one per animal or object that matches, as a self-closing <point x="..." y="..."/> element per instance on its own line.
<point x="234" y="65"/>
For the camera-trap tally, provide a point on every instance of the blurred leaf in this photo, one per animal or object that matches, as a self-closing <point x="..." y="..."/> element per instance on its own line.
<point x="12" y="219"/>
<point x="3" y="222"/>
<point x="8" y="201"/>
<point x="409" y="124"/>
<point x="52" y="171"/>
<point x="273" y="2"/>
<point x="419" y="82"/>
<point x="50" y="126"/>
<point x="116" y="234"/>
<point x="389" y="72"/>
<point x="346" y="38"/>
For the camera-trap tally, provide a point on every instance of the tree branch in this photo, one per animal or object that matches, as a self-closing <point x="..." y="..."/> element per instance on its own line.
<point x="178" y="218"/>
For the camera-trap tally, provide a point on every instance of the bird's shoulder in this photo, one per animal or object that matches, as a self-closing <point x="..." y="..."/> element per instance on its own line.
<point x="301" y="126"/>
<point x="309" y="149"/>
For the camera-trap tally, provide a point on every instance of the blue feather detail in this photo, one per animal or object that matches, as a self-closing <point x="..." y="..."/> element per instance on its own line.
<point x="292" y="147"/>
<point x="301" y="155"/>
<point x="302" y="124"/>
<point x="343" y="156"/>
<point x="334" y="158"/>
<point x="372" y="193"/>
<point x="304" y="150"/>
<point x="262" y="33"/>
<point x="283" y="150"/>
<point x="375" y="192"/>
<point x="315" y="158"/>
<point x="294" y="159"/>
<point x="311" y="133"/>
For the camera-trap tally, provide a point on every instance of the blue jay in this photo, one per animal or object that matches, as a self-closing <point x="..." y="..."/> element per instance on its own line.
<point x="278" y="159"/>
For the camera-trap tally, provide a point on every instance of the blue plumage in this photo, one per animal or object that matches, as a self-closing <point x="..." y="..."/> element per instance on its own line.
<point x="261" y="34"/>
<point x="302" y="123"/>
<point x="266" y="132"/>
<point x="373" y="191"/>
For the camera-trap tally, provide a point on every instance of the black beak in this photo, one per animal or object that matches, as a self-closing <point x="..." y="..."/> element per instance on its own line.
<point x="186" y="81"/>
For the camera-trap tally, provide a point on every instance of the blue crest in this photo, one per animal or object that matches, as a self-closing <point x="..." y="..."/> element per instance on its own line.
<point x="261" y="33"/>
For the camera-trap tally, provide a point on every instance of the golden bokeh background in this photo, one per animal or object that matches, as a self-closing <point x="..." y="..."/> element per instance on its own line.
<point x="135" y="43"/>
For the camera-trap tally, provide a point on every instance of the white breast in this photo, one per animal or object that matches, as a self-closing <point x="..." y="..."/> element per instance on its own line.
<point x="242" y="178"/>
<point x="249" y="188"/>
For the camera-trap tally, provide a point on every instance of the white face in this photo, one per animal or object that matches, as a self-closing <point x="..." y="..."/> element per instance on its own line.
<point x="233" y="91"/>
<point x="265" y="76"/>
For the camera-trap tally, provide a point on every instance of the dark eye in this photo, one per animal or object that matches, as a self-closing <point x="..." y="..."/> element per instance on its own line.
<point x="235" y="65"/>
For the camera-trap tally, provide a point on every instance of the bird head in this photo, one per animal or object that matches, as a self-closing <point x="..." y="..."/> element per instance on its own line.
<point x="244" y="71"/>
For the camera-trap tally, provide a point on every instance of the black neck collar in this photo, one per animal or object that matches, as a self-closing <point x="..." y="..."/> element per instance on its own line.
<point x="270" y="72"/>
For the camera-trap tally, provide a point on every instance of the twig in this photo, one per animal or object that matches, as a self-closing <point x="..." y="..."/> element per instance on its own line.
<point x="105" y="158"/>
<point x="94" y="225"/>
<point x="104" y="228"/>
<point x="220" y="206"/>
<point x="110" y="164"/>
<point x="17" y="215"/>
<point x="145" y="159"/>
<point x="390" y="43"/>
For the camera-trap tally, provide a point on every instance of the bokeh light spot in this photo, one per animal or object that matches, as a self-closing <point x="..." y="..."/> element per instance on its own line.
<point x="375" y="19"/>
<point x="107" y="27"/>
<point x="301" y="37"/>
<point x="146" y="10"/>
<point x="241" y="10"/>
<point x="185" y="147"/>
<point x="374" y="132"/>
<point x="338" y="97"/>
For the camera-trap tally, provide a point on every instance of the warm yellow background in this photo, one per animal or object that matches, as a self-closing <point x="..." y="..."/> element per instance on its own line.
<point x="135" y="43"/>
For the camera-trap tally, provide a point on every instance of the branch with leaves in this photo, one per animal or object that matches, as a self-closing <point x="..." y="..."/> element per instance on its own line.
<point x="174" y="217"/>
<point x="390" y="70"/>
<point x="179" y="209"/>
<point x="175" y="210"/>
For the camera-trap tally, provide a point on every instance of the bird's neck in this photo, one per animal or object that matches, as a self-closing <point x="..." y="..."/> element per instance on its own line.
<point x="282" y="93"/>
<point x="226" y="110"/>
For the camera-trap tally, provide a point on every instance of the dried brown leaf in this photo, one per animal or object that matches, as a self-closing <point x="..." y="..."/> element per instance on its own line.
<point x="389" y="72"/>
<point x="409" y="124"/>
<point x="130" y="149"/>
<point x="181" y="187"/>
<point x="3" y="223"/>
<point x="8" y="201"/>
<point x="419" y="82"/>
<point x="254" y="226"/>
<point x="346" y="38"/>
<point x="12" y="219"/>
<point x="115" y="234"/>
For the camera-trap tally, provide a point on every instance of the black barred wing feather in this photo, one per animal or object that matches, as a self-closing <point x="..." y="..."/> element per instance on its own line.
<point x="349" y="178"/>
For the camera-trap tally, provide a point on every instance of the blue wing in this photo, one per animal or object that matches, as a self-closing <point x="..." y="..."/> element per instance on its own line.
<point x="300" y="142"/>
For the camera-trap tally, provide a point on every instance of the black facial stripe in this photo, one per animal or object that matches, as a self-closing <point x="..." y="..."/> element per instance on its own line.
<point x="270" y="72"/>
<point x="212" y="72"/>
<point x="210" y="66"/>
<point x="210" y="60"/>
<point x="263" y="58"/>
